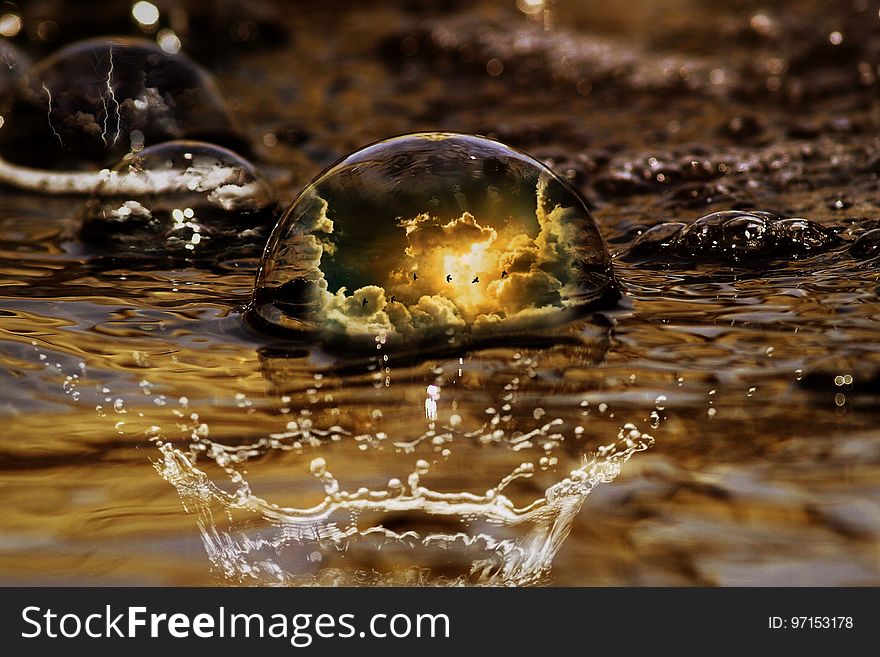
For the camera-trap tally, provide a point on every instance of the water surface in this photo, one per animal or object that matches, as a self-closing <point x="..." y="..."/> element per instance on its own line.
<point x="152" y="438"/>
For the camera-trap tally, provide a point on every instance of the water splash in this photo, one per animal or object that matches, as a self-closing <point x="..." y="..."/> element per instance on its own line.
<point x="483" y="540"/>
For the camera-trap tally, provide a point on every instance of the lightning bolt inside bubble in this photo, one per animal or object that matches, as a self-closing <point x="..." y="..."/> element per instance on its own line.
<point x="49" y="115"/>
<point x="112" y="96"/>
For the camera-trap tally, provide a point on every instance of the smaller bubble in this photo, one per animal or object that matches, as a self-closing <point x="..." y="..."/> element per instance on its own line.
<point x="159" y="197"/>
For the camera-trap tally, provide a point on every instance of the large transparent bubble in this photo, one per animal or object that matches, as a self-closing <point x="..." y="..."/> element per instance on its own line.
<point x="429" y="234"/>
<point x="92" y="102"/>
<point x="180" y="194"/>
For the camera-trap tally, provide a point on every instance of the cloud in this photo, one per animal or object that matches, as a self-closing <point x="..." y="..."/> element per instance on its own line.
<point x="521" y="291"/>
<point x="425" y="233"/>
<point x="454" y="273"/>
<point x="433" y="311"/>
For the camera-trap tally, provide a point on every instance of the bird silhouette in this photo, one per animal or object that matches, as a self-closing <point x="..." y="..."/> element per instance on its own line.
<point x="476" y="279"/>
<point x="393" y="299"/>
<point x="504" y="274"/>
<point x="364" y="301"/>
<point x="415" y="276"/>
<point x="448" y="278"/>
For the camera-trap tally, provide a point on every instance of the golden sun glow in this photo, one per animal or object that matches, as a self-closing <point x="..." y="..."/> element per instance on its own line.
<point x="467" y="274"/>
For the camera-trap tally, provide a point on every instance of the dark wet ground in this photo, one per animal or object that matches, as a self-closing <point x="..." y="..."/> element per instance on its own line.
<point x="758" y="376"/>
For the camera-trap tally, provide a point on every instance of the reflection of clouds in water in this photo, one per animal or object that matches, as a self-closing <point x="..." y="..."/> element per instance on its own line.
<point x="450" y="273"/>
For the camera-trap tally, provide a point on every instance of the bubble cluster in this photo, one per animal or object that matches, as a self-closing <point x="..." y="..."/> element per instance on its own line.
<point x="94" y="101"/>
<point x="733" y="236"/>
<point x="428" y="233"/>
<point x="184" y="192"/>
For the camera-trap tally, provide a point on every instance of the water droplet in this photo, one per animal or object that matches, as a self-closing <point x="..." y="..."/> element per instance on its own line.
<point x="179" y="194"/>
<point x="464" y="234"/>
<point x="867" y="245"/>
<point x="733" y="235"/>
<point x="318" y="466"/>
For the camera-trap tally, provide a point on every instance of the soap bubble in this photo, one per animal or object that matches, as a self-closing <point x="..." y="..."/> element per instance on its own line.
<point x="186" y="192"/>
<point x="90" y="101"/>
<point x="432" y="233"/>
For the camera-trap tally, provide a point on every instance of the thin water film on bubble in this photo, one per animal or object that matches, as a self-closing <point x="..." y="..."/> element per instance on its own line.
<point x="432" y="232"/>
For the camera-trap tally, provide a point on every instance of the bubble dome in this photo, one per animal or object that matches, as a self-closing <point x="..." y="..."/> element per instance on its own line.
<point x="186" y="192"/>
<point x="432" y="233"/>
<point x="93" y="101"/>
